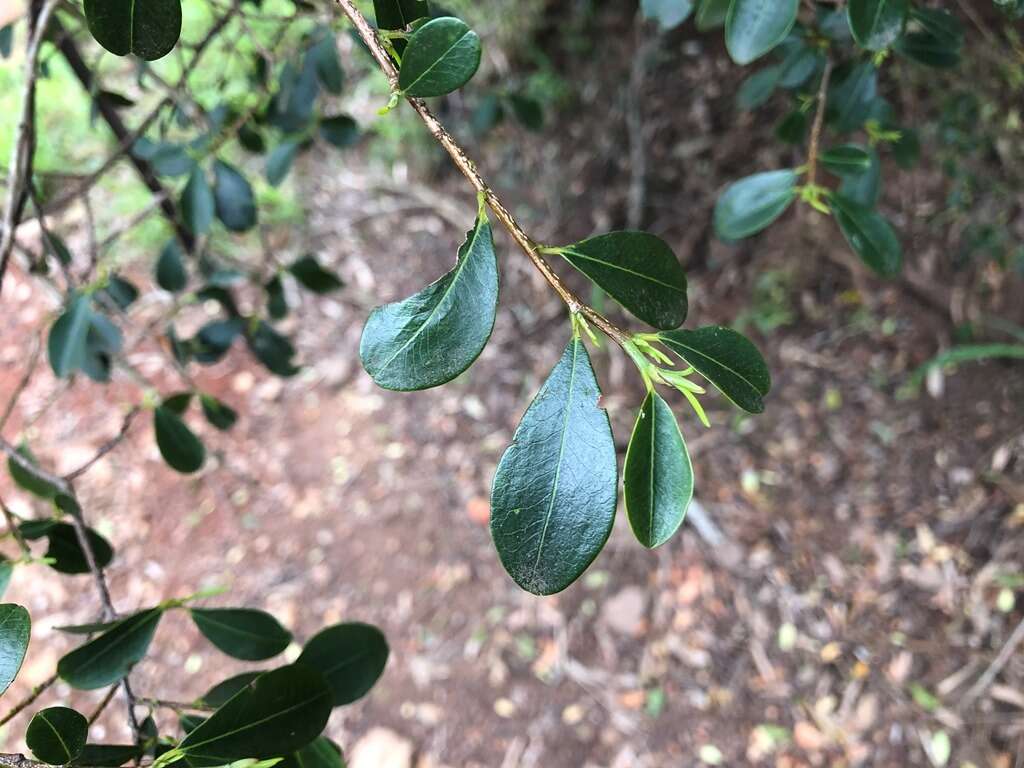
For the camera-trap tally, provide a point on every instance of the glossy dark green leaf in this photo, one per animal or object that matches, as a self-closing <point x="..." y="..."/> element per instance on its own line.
<point x="197" y="204"/>
<point x="638" y="270"/>
<point x="935" y="38"/>
<point x="279" y="713"/>
<point x="350" y="656"/>
<point x="66" y="551"/>
<point x="442" y="56"/>
<point x="340" y="131"/>
<point x="57" y="735"/>
<point x="877" y="24"/>
<point x="754" y="27"/>
<point x="179" y="446"/>
<point x="108" y="658"/>
<point x="218" y="413"/>
<point x="758" y="88"/>
<point x="865" y="187"/>
<point x="233" y="197"/>
<point x="178" y="402"/>
<point x="846" y="159"/>
<point x="170" y="268"/>
<point x="712" y="14"/>
<point x="147" y="28"/>
<point x="870" y="236"/>
<point x="15" y="629"/>
<point x="749" y="205"/>
<point x="398" y="14"/>
<point x="554" y="494"/>
<point x="669" y="14"/>
<point x="728" y="360"/>
<point x="107" y="755"/>
<point x="86" y="629"/>
<point x="852" y="95"/>
<point x="657" y="477"/>
<point x="431" y="337"/>
<point x="273" y="350"/>
<point x="242" y="633"/>
<point x="225" y="690"/>
<point x="280" y="160"/>
<point x="66" y="342"/>
<point x="800" y="64"/>
<point x="320" y="753"/>
<point x="28" y="481"/>
<point x="314" y="277"/>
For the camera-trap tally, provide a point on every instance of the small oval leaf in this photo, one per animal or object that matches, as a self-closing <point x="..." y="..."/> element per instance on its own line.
<point x="180" y="448"/>
<point x="66" y="344"/>
<point x="870" y="236"/>
<point x="555" y="491"/>
<point x="242" y="633"/>
<point x="749" y="205"/>
<point x="754" y="27"/>
<point x="108" y="658"/>
<point x="197" y="204"/>
<point x="442" y="56"/>
<point x="350" y="656"/>
<point x="233" y="197"/>
<point x="431" y="337"/>
<point x="170" y="268"/>
<point x="846" y="159"/>
<point x="877" y="24"/>
<point x="638" y="270"/>
<point x="314" y="277"/>
<point x="147" y="28"/>
<point x="57" y="735"/>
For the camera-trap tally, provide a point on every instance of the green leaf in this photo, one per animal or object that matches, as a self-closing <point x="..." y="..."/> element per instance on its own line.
<point x="15" y="629"/>
<point x="870" y="236"/>
<point x="313" y="277"/>
<point x="57" y="735"/>
<point x="6" y="40"/>
<point x="107" y="755"/>
<point x="108" y="658"/>
<point x="758" y="88"/>
<point x="442" y="56"/>
<point x="793" y="127"/>
<point x="120" y="291"/>
<point x="636" y="269"/>
<point x="749" y="205"/>
<point x="66" y="343"/>
<point x="280" y="712"/>
<point x="178" y="403"/>
<point x="658" y="476"/>
<point x="431" y="337"/>
<point x="170" y="268"/>
<point x="754" y="27"/>
<point x="906" y="151"/>
<point x="527" y="111"/>
<point x="181" y="449"/>
<point x="799" y="66"/>
<point x="398" y="14"/>
<point x="728" y="360"/>
<point x="277" y="304"/>
<point x="320" y="753"/>
<point x="936" y="38"/>
<point x="852" y="96"/>
<point x="341" y="131"/>
<point x="273" y="350"/>
<point x="324" y="57"/>
<point x="350" y="656"/>
<point x="147" y="28"/>
<point x="197" y="205"/>
<point x="26" y="480"/>
<point x="242" y="633"/>
<point x="846" y="159"/>
<point x="225" y="690"/>
<point x="102" y="342"/>
<point x="280" y="160"/>
<point x="555" y="491"/>
<point x="712" y="14"/>
<point x="218" y="413"/>
<point x="6" y="571"/>
<point x="235" y="204"/>
<point x="668" y="13"/>
<point x="67" y="553"/>
<point x="877" y="24"/>
<point x="864" y="188"/>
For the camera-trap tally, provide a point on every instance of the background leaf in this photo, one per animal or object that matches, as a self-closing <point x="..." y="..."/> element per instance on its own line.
<point x="66" y="343"/>
<point x="870" y="236"/>
<point x="180" y="448"/>
<point x="197" y="204"/>
<point x="233" y="197"/>
<point x="754" y="27"/>
<point x="749" y="205"/>
<point x="556" y="488"/>
<point x="312" y="276"/>
<point x="170" y="268"/>
<point x="668" y="13"/>
<point x="877" y="24"/>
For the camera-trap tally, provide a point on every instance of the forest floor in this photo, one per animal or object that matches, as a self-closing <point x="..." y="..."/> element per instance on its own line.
<point x="841" y="608"/>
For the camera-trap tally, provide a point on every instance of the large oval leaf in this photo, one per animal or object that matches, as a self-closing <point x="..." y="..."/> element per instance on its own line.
<point x="658" y="477"/>
<point x="728" y="360"/>
<point x="179" y="446"/>
<point x="431" y="337"/>
<point x="57" y="735"/>
<point x="66" y="344"/>
<point x="749" y="205"/>
<point x="441" y="57"/>
<point x="108" y="658"/>
<point x="554" y="494"/>
<point x="15" y="629"/>
<point x="877" y="24"/>
<point x="870" y="236"/>
<point x="350" y="656"/>
<point x="233" y="198"/>
<point x="280" y="712"/>
<point x="243" y="633"/>
<point x="636" y="269"/>
<point x="147" y="28"/>
<point x="754" y="27"/>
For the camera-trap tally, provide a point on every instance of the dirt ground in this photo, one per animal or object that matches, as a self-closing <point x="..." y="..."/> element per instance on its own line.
<point x="839" y="601"/>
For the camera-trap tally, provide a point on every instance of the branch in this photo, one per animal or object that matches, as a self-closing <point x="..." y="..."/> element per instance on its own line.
<point x="24" y="703"/>
<point x="819" y="121"/>
<point x="468" y="169"/>
<point x="106" y="448"/>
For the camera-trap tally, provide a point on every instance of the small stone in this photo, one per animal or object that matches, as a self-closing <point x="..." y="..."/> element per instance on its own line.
<point x="381" y="748"/>
<point x="625" y="612"/>
<point x="504" y="708"/>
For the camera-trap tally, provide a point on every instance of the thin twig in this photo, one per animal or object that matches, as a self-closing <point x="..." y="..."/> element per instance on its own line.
<point x="993" y="669"/>
<point x="468" y="169"/>
<point x="12" y="402"/>
<point x="15" y="529"/>
<point x="107" y="447"/>
<point x="28" y="700"/>
<point x="819" y="121"/>
<point x="109" y="697"/>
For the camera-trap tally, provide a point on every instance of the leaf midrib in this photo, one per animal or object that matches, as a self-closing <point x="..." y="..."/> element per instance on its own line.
<point x="67" y="750"/>
<point x="566" y="252"/>
<point x="438" y="60"/>
<point x="262" y="638"/>
<point x="142" y="623"/>
<point x="188" y="748"/>
<point x="714" y="361"/>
